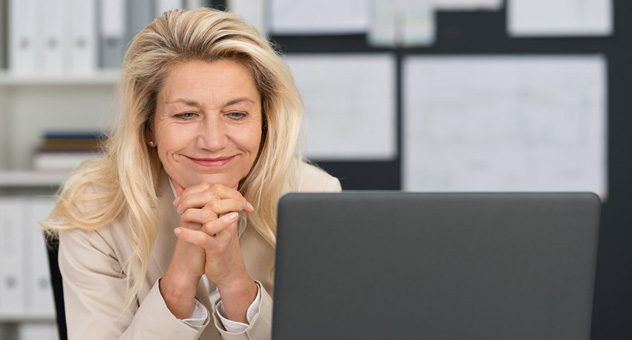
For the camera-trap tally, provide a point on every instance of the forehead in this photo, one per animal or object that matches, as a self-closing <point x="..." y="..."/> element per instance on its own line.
<point x="217" y="80"/>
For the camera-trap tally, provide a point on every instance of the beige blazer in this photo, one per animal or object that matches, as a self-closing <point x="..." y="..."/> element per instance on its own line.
<point x="92" y="265"/>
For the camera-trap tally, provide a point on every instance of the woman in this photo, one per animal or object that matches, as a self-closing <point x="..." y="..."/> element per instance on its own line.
<point x="172" y="234"/>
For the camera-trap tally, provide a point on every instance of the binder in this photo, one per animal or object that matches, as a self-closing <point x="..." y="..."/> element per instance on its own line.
<point x="51" y="35"/>
<point x="3" y="34"/>
<point x="165" y="5"/>
<point x="12" y="275"/>
<point x="139" y="15"/>
<point x="112" y="41"/>
<point x="82" y="34"/>
<point x="39" y="292"/>
<point x="23" y="51"/>
<point x="37" y="331"/>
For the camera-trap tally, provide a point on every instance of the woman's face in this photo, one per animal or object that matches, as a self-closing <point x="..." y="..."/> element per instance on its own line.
<point x="207" y="124"/>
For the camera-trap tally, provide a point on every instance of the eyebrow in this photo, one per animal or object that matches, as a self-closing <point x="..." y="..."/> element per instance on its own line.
<point x="194" y="103"/>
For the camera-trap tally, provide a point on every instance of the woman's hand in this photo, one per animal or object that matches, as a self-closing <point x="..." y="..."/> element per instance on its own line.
<point x="215" y="209"/>
<point x="178" y="285"/>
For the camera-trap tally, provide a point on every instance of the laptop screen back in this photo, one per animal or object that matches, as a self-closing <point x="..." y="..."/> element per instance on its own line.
<point x="393" y="265"/>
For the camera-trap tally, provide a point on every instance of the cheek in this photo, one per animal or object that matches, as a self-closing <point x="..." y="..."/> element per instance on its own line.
<point x="254" y="139"/>
<point x="171" y="137"/>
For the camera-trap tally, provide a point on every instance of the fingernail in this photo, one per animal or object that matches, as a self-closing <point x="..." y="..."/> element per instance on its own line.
<point x="233" y="216"/>
<point x="176" y="201"/>
<point x="178" y="231"/>
<point x="242" y="205"/>
<point x="180" y="209"/>
<point x="250" y="206"/>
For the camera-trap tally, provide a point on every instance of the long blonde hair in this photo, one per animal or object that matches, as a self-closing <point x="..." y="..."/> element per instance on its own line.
<point x="123" y="184"/>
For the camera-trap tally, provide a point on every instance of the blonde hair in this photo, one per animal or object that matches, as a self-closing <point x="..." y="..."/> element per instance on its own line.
<point x="123" y="184"/>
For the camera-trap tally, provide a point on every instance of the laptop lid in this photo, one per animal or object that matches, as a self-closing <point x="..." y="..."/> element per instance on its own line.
<point x="394" y="265"/>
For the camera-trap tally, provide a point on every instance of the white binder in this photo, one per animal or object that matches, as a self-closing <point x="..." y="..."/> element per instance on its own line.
<point x="51" y="35"/>
<point x="37" y="331"/>
<point x="12" y="275"/>
<point x="39" y="290"/>
<point x="139" y="15"/>
<point x="23" y="21"/>
<point x="112" y="33"/>
<point x="82" y="35"/>
<point x="3" y="35"/>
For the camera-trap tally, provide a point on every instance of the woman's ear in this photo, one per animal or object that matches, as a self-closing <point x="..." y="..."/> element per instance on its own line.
<point x="149" y="136"/>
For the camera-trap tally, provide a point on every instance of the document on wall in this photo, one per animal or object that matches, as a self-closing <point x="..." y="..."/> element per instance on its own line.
<point x="494" y="123"/>
<point x="533" y="18"/>
<point x="253" y="11"/>
<point x="319" y="17"/>
<point x="349" y="103"/>
<point x="491" y="5"/>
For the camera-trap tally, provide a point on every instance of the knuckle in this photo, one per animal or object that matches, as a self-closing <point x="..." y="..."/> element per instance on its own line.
<point x="208" y="195"/>
<point x="208" y="214"/>
<point x="212" y="205"/>
<point x="200" y="239"/>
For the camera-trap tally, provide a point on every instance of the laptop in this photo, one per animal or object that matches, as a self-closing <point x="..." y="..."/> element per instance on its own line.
<point x="395" y="265"/>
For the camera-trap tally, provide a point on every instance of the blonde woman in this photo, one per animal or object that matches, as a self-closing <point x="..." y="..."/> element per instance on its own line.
<point x="172" y="234"/>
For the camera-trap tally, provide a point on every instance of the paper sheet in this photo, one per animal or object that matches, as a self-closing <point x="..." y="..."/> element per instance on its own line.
<point x="559" y="18"/>
<point x="319" y="17"/>
<point x="349" y="103"/>
<point x="504" y="124"/>
<point x="467" y="4"/>
<point x="407" y="23"/>
<point x="253" y="11"/>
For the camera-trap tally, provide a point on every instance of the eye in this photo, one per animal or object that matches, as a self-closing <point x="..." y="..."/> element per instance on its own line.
<point x="185" y="116"/>
<point x="236" y="115"/>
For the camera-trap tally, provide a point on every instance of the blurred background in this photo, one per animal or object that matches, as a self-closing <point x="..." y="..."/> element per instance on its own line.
<point x="416" y="95"/>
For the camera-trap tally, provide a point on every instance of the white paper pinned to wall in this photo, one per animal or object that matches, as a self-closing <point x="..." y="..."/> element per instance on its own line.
<point x="505" y="124"/>
<point x="541" y="18"/>
<point x="349" y="103"/>
<point x="319" y="17"/>
<point x="468" y="4"/>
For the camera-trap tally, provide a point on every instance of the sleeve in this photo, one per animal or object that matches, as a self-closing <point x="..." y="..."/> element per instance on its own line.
<point x="234" y="326"/>
<point x="94" y="291"/>
<point x="260" y="327"/>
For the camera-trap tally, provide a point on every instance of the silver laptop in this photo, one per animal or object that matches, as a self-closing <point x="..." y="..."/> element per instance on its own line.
<point x="393" y="265"/>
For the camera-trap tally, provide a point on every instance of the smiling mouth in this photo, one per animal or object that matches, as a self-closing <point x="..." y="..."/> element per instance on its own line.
<point x="211" y="162"/>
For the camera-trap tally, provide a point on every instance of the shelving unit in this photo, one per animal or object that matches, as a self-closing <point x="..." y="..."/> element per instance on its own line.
<point x="29" y="106"/>
<point x="33" y="104"/>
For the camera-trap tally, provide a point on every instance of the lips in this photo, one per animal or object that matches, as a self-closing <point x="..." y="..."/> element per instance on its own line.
<point x="211" y="162"/>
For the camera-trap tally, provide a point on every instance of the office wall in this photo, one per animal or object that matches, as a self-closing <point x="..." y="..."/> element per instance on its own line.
<point x="472" y="33"/>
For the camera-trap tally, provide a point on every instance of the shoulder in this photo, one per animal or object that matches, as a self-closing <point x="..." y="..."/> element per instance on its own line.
<point x="314" y="179"/>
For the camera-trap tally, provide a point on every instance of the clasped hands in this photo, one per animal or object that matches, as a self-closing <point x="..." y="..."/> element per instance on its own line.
<point x="208" y="244"/>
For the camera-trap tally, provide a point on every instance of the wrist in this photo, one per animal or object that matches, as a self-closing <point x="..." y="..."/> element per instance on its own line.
<point x="179" y="295"/>
<point x="237" y="296"/>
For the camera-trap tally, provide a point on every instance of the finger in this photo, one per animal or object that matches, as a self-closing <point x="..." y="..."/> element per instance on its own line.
<point x="225" y="206"/>
<point x="217" y="193"/>
<point x="225" y="235"/>
<point x="200" y="216"/>
<point x="180" y="190"/>
<point x="192" y="226"/>
<point x="214" y="227"/>
<point x="196" y="237"/>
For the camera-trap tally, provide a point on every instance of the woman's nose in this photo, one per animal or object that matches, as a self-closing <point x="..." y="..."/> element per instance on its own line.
<point x="212" y="135"/>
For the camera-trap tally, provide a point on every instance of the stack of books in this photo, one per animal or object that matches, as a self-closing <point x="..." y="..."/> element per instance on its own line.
<point x="64" y="151"/>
